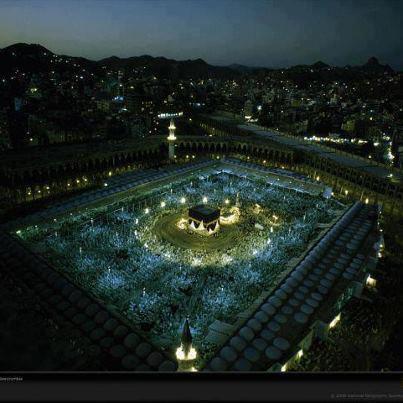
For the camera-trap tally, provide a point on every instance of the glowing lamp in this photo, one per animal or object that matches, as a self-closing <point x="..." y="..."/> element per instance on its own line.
<point x="371" y="282"/>
<point x="334" y="322"/>
<point x="186" y="353"/>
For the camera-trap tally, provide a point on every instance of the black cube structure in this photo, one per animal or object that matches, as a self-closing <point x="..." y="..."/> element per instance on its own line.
<point x="204" y="218"/>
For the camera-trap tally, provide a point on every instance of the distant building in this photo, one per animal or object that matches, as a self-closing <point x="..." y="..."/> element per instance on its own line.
<point x="103" y="105"/>
<point x="4" y="132"/>
<point x="33" y="90"/>
<point x="397" y="145"/>
<point x="18" y="104"/>
<point x="134" y="102"/>
<point x="18" y="129"/>
<point x="137" y="128"/>
<point x="248" y="109"/>
<point x="348" y="125"/>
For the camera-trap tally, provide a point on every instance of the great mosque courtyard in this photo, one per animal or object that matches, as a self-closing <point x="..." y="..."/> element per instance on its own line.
<point x="216" y="264"/>
<point x="141" y="255"/>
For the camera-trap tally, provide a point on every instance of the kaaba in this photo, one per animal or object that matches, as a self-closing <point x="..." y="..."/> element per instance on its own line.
<point x="203" y="217"/>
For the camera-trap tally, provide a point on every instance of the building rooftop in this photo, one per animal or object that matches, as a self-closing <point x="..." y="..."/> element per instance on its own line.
<point x="342" y="158"/>
<point x="273" y="334"/>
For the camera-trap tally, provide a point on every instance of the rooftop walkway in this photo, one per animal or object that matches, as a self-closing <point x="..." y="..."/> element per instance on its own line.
<point x="121" y="347"/>
<point x="115" y="186"/>
<point x="343" y="158"/>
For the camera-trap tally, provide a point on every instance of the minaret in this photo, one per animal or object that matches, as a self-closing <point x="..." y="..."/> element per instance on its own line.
<point x="186" y="354"/>
<point x="171" y="140"/>
<point x="186" y="338"/>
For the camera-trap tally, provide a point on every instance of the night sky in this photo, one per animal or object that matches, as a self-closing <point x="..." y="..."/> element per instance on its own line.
<point x="252" y="32"/>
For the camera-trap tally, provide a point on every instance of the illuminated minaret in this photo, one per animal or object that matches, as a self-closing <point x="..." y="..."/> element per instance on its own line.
<point x="186" y="354"/>
<point x="171" y="140"/>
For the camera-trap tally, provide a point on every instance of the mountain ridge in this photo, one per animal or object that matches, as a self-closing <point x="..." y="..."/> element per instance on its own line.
<point x="36" y="54"/>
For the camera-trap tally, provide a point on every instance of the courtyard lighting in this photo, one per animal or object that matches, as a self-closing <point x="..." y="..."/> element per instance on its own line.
<point x="143" y="247"/>
<point x="371" y="282"/>
<point x="334" y="322"/>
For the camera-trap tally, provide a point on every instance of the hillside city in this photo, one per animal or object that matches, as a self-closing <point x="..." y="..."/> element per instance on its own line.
<point x="76" y="134"/>
<point x="55" y="99"/>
